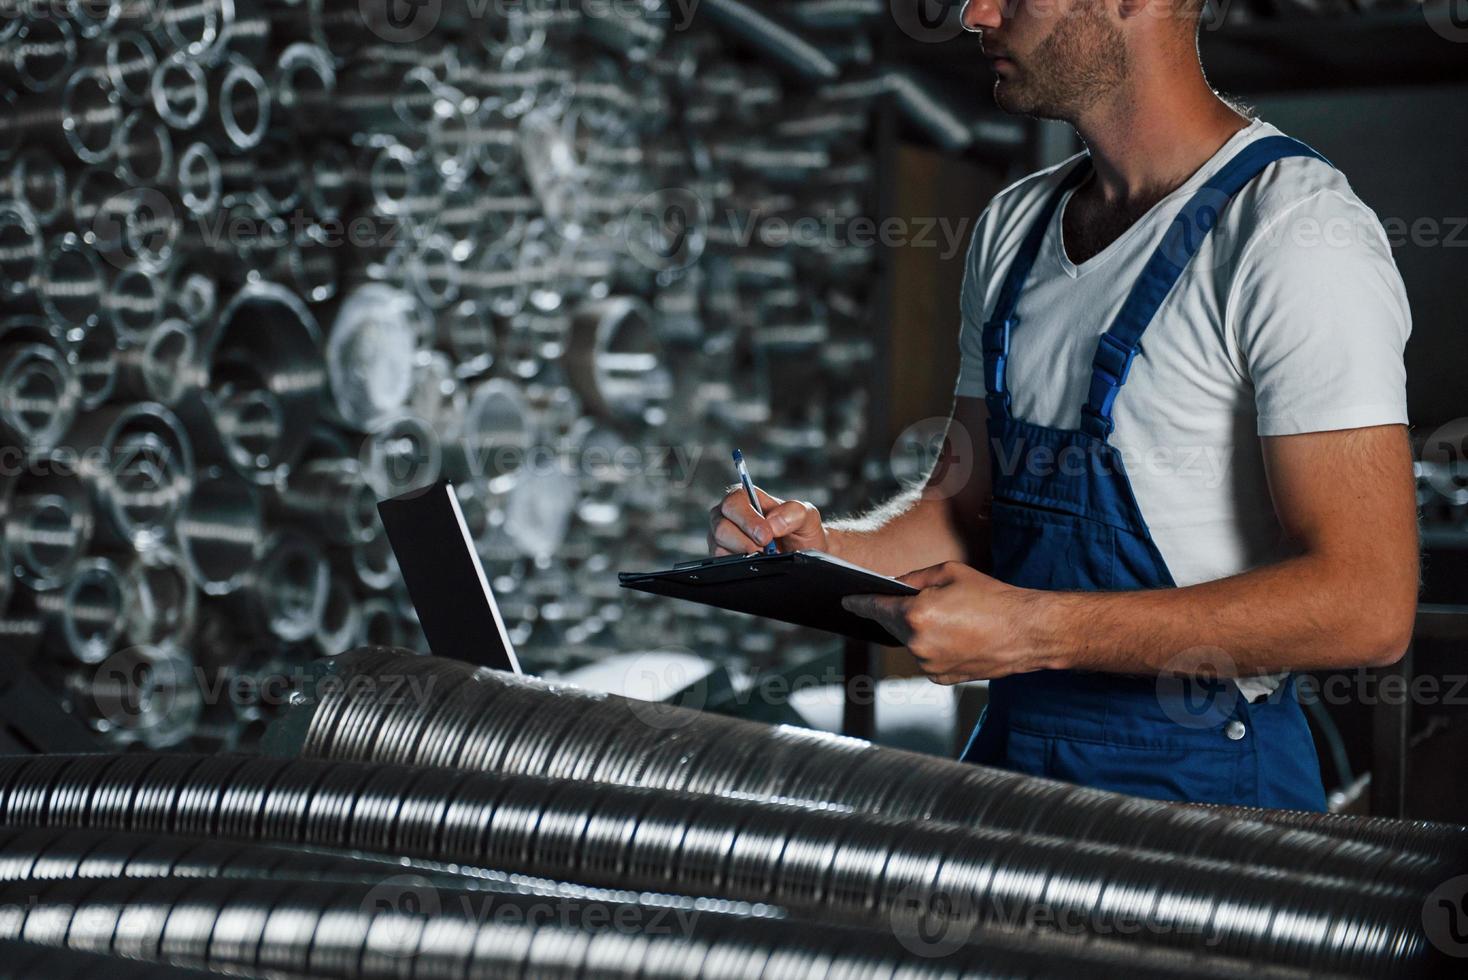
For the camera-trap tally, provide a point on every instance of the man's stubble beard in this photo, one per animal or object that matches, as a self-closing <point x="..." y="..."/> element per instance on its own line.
<point x="1082" y="60"/>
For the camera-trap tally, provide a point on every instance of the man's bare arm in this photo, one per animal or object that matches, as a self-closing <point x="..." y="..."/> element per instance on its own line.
<point x="944" y="520"/>
<point x="1345" y="598"/>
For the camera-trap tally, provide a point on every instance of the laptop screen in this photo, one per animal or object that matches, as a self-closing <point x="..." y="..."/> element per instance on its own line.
<point x="445" y="579"/>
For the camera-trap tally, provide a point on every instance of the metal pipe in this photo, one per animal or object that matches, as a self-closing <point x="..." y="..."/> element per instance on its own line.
<point x="139" y="466"/>
<point x="134" y="303"/>
<point x="200" y="180"/>
<point x="331" y="496"/>
<point x="70" y="283"/>
<point x="164" y="599"/>
<point x="180" y="91"/>
<point x="144" y="151"/>
<point x="20" y="248"/>
<point x="220" y="531"/>
<point x="241" y="100"/>
<point x="266" y="332"/>
<point x="83" y="617"/>
<point x="47" y="519"/>
<point x="38" y="181"/>
<point x="130" y="63"/>
<point x="94" y="358"/>
<point x="39" y="392"/>
<point x="39" y="55"/>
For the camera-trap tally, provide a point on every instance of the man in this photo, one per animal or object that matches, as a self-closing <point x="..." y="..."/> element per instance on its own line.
<point x="1201" y="509"/>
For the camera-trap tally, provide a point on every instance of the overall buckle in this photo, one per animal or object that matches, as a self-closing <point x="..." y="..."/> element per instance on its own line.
<point x="1114" y="359"/>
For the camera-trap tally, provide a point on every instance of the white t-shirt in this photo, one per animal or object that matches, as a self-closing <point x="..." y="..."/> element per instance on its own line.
<point x="1292" y="318"/>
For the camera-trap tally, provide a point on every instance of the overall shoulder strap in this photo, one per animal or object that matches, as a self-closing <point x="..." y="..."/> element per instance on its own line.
<point x="1118" y="345"/>
<point x="1002" y="320"/>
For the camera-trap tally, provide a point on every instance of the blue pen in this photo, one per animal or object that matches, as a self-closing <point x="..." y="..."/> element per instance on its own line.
<point x="771" y="548"/>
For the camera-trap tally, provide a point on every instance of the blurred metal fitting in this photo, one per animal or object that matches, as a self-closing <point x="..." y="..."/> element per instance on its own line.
<point x="246" y="30"/>
<point x="784" y="47"/>
<point x="437" y="395"/>
<point x="400" y="454"/>
<point x="80" y="117"/>
<point x="369" y="352"/>
<point x="144" y="694"/>
<point x="70" y="283"/>
<point x="194" y="26"/>
<point x="21" y="633"/>
<point x="47" y="519"/>
<point x="20" y="249"/>
<point x="615" y="361"/>
<point x="635" y="31"/>
<point x="287" y="588"/>
<point x="39" y="54"/>
<point x="434" y="271"/>
<point x="331" y="496"/>
<point x="241" y="102"/>
<point x="134" y="303"/>
<point x="93" y="17"/>
<point x="193" y="298"/>
<point x="139" y="468"/>
<point x="341" y="618"/>
<point x="379" y="623"/>
<point x="332" y="179"/>
<point x="268" y="329"/>
<point x="38" y="181"/>
<point x="91" y="115"/>
<point x="83" y="618"/>
<point x="200" y="182"/>
<point x="94" y="358"/>
<point x="496" y="279"/>
<point x="144" y="151"/>
<point x="375" y="566"/>
<point x="305" y="86"/>
<point x="165" y="601"/>
<point x="467" y="331"/>
<point x="39" y="392"/>
<point x="404" y="185"/>
<point x="180" y="91"/>
<point x="453" y="138"/>
<point x="539" y="509"/>
<point x="338" y="28"/>
<point x="310" y="264"/>
<point x="266" y="182"/>
<point x="163" y="366"/>
<point x="220" y="531"/>
<point x="130" y="62"/>
<point x="495" y="438"/>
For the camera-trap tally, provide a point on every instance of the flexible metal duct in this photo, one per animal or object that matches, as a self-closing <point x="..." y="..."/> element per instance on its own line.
<point x="260" y="911"/>
<point x="922" y="878"/>
<point x="427" y="711"/>
<point x="31" y="961"/>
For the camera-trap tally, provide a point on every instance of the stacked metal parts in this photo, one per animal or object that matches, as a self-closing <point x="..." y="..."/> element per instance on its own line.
<point x="264" y="261"/>
<point x="448" y="821"/>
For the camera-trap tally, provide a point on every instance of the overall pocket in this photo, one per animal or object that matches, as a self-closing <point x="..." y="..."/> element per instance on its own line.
<point x="1049" y="549"/>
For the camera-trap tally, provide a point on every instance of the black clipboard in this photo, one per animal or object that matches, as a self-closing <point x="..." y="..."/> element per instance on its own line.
<point x="800" y="587"/>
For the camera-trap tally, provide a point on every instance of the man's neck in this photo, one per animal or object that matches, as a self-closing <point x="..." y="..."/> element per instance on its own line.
<point x="1146" y="141"/>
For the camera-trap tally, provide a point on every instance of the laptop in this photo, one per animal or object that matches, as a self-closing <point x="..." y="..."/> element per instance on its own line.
<point x="445" y="579"/>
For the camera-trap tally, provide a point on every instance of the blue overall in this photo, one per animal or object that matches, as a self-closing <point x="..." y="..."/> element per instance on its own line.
<point x="1064" y="518"/>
